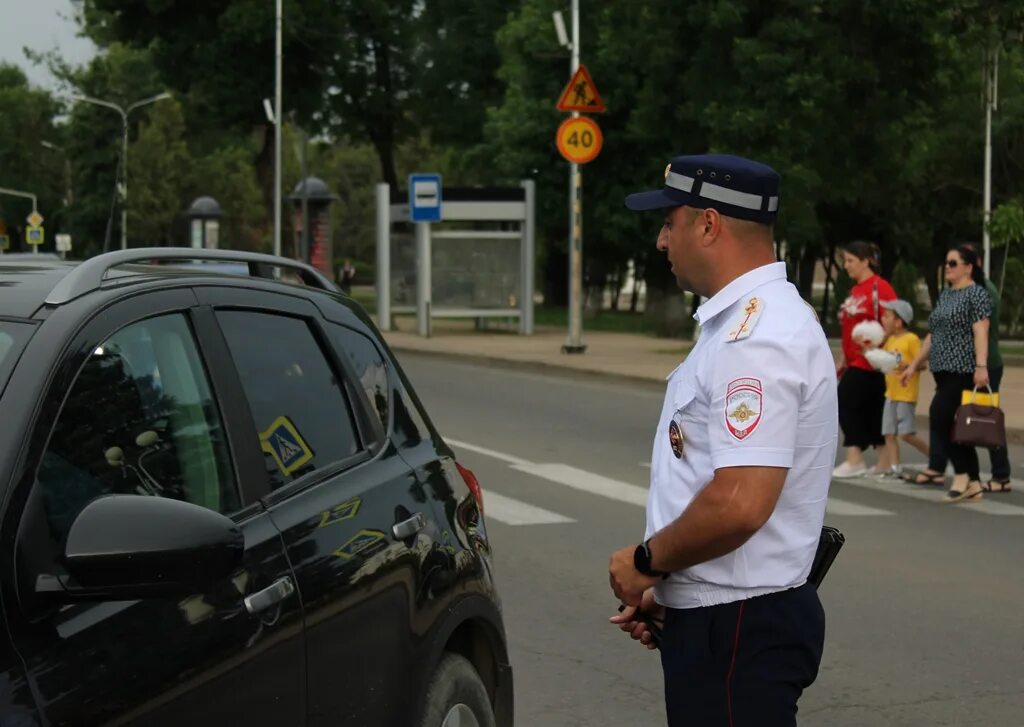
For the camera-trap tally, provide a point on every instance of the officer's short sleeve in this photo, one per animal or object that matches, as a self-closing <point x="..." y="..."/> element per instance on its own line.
<point x="755" y="399"/>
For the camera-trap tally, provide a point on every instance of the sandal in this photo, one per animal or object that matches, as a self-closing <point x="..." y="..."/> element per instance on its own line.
<point x="963" y="495"/>
<point x="997" y="486"/>
<point x="924" y="478"/>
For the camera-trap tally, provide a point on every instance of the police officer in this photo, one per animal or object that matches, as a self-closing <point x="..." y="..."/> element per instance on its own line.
<point x="741" y="465"/>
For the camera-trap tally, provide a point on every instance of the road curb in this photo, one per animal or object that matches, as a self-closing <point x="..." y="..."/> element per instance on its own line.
<point x="536" y="366"/>
<point x="1013" y="435"/>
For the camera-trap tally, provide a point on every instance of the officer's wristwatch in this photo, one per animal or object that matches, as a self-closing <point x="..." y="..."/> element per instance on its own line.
<point x="642" y="560"/>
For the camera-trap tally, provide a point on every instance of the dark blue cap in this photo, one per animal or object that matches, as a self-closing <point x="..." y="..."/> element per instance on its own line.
<point x="734" y="186"/>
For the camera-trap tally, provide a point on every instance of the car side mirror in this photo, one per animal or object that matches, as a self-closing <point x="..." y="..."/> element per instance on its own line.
<point x="124" y="547"/>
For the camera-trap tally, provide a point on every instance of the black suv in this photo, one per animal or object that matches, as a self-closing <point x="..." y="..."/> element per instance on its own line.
<point x="223" y="504"/>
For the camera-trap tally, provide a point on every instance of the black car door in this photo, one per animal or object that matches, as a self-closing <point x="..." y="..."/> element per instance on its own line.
<point x="138" y="404"/>
<point x="358" y="527"/>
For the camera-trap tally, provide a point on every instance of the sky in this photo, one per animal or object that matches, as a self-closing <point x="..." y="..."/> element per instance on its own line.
<point x="41" y="25"/>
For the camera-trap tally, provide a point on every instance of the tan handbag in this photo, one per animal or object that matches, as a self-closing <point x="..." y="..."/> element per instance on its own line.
<point x="979" y="426"/>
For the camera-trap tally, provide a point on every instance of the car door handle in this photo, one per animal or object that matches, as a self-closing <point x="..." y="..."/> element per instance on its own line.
<point x="407" y="528"/>
<point x="269" y="596"/>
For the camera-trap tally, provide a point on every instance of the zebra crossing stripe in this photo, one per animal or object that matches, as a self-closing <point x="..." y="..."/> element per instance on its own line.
<point x="513" y="512"/>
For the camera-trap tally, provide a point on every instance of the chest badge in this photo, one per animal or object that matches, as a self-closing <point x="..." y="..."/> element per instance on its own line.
<point x="748" y="317"/>
<point x="675" y="439"/>
<point x="743" y="400"/>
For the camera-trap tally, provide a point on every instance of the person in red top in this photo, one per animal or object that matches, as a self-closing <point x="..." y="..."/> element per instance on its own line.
<point x="861" y="387"/>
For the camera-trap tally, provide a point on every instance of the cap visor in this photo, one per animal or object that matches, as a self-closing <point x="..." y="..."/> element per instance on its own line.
<point x="656" y="200"/>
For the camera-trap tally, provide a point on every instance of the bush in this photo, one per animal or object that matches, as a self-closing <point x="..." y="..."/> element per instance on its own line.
<point x="843" y="285"/>
<point x="905" y="278"/>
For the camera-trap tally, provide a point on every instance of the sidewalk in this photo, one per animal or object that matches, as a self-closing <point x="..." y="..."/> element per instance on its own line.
<point x="624" y="356"/>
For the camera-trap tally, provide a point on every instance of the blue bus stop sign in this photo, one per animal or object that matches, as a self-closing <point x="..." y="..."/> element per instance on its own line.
<point x="425" y="197"/>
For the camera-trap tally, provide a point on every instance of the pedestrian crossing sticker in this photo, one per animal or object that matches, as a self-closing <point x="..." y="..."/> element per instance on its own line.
<point x="283" y="442"/>
<point x="364" y="543"/>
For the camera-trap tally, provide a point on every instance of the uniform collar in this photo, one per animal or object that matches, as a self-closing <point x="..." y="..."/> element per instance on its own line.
<point x="737" y="289"/>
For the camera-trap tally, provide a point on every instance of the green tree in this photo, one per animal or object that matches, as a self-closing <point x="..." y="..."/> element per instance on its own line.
<point x="159" y="164"/>
<point x="905" y="278"/>
<point x="26" y="121"/>
<point x="93" y="138"/>
<point x="1007" y="228"/>
<point x="1014" y="298"/>
<point x="228" y="176"/>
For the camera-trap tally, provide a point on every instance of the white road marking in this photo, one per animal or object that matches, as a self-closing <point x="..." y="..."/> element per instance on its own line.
<point x="595" y="484"/>
<point x="585" y="481"/>
<point x="487" y="452"/>
<point x="513" y="512"/>
<point x="934" y="494"/>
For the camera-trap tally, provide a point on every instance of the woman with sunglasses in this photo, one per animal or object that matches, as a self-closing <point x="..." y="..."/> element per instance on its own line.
<point x="957" y="352"/>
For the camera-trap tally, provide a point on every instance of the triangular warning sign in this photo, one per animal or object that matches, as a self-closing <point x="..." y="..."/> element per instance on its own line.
<point x="581" y="94"/>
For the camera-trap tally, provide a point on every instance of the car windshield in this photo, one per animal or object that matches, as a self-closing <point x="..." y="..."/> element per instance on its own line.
<point x="12" y="339"/>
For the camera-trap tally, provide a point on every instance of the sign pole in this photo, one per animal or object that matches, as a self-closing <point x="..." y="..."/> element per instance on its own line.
<point x="574" y="343"/>
<point x="424" y="208"/>
<point x="423" y="281"/>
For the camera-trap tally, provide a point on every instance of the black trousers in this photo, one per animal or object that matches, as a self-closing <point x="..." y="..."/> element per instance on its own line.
<point x="742" y="664"/>
<point x="998" y="456"/>
<point x="948" y="391"/>
<point x="861" y="396"/>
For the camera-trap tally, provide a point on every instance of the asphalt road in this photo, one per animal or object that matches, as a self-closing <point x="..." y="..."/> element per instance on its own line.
<point x="923" y="605"/>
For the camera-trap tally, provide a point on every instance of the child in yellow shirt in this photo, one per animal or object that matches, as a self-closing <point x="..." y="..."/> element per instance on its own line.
<point x="899" y="415"/>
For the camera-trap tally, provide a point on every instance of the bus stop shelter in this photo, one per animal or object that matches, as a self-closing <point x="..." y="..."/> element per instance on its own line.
<point x="477" y="262"/>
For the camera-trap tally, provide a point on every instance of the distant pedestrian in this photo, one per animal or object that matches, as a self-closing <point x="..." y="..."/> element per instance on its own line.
<point x="899" y="417"/>
<point x="957" y="354"/>
<point x="741" y="463"/>
<point x="861" y="387"/>
<point x="345" y="277"/>
<point x="998" y="456"/>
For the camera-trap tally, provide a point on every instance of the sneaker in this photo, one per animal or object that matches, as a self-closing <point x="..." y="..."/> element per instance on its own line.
<point x="849" y="470"/>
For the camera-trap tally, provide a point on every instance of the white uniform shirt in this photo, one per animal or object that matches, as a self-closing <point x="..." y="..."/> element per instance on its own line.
<point x="758" y="389"/>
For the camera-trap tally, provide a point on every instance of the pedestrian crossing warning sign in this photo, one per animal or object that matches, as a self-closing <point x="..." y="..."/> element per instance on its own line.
<point x="581" y="94"/>
<point x="283" y="442"/>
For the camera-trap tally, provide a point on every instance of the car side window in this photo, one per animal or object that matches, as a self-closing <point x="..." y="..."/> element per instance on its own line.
<point x="139" y="419"/>
<point x="369" y="367"/>
<point x="298" y="402"/>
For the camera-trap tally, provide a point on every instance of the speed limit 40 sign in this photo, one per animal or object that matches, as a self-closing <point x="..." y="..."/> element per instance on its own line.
<point x="579" y="139"/>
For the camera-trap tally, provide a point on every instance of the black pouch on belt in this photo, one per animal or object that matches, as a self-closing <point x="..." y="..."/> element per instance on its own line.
<point x="829" y="544"/>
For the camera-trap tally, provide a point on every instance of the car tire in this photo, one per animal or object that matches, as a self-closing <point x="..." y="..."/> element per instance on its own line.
<point x="456" y="696"/>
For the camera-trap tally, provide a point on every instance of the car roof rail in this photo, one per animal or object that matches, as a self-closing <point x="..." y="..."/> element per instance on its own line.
<point x="90" y="274"/>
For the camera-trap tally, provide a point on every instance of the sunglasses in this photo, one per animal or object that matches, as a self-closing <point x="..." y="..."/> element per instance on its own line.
<point x="954" y="263"/>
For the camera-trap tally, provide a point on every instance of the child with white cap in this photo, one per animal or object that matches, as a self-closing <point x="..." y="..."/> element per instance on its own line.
<point x="899" y="421"/>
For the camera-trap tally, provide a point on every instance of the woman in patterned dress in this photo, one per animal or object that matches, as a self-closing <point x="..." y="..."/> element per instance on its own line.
<point x="957" y="352"/>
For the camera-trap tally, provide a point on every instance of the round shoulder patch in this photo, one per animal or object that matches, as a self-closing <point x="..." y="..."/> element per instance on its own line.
<point x="743" y="402"/>
<point x="675" y="439"/>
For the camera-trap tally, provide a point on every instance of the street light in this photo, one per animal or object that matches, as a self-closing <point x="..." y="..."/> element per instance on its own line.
<point x="68" y="193"/>
<point x="124" y="148"/>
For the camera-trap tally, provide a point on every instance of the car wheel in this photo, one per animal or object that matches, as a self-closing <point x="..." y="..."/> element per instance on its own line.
<point x="456" y="696"/>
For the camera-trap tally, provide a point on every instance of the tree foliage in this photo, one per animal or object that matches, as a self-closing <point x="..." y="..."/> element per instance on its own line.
<point x="870" y="109"/>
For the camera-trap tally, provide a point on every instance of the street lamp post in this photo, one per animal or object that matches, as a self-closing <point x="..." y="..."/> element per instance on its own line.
<point x="278" y="20"/>
<point x="991" y="81"/>
<point x="68" y="192"/>
<point x="124" y="112"/>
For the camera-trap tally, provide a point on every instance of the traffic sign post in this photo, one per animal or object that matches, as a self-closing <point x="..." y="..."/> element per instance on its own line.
<point x="63" y="243"/>
<point x="580" y="94"/>
<point x="34" y="237"/>
<point x="579" y="139"/>
<point x="425" y="197"/>
<point x="424" y="208"/>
